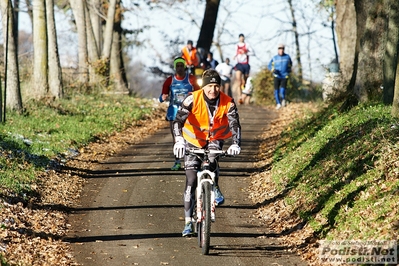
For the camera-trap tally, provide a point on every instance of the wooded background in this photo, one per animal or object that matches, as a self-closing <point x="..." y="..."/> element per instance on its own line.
<point x="365" y="33"/>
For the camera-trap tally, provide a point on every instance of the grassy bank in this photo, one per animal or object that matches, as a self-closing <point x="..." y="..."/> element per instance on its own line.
<point x="331" y="175"/>
<point x="48" y="133"/>
<point x="336" y="174"/>
<point x="43" y="154"/>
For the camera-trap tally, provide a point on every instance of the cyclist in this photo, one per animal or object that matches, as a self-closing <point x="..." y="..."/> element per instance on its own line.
<point x="206" y="118"/>
<point x="177" y="87"/>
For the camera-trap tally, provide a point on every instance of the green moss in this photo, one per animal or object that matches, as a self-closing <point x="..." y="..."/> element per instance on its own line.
<point x="28" y="142"/>
<point x="341" y="171"/>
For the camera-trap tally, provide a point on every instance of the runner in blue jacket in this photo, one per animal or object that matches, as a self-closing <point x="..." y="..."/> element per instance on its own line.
<point x="280" y="65"/>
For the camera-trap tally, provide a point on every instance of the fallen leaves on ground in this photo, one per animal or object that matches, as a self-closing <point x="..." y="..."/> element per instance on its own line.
<point x="31" y="232"/>
<point x="274" y="213"/>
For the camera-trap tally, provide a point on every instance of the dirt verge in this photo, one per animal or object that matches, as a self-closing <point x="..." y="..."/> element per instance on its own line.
<point x="32" y="231"/>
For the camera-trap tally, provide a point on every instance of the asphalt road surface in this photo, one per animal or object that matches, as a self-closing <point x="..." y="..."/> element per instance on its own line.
<point x="131" y="209"/>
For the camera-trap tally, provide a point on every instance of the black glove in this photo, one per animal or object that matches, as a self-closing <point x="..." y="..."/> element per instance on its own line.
<point x="277" y="72"/>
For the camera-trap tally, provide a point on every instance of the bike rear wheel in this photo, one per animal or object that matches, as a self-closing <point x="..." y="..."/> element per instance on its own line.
<point x="204" y="228"/>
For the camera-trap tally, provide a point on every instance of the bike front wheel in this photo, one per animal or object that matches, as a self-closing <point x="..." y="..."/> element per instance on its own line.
<point x="204" y="227"/>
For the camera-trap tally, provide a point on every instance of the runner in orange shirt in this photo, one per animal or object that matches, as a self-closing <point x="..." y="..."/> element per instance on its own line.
<point x="189" y="53"/>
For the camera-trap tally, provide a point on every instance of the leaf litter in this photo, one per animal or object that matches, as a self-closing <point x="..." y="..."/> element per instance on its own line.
<point x="31" y="232"/>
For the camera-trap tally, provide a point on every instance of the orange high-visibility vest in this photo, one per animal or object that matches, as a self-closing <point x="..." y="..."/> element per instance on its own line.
<point x="197" y="128"/>
<point x="190" y="56"/>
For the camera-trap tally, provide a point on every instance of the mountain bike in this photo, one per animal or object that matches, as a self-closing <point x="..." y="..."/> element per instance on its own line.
<point x="204" y="212"/>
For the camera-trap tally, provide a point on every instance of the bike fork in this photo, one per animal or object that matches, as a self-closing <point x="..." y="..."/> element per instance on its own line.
<point x="199" y="209"/>
<point x="200" y="206"/>
<point x="213" y="205"/>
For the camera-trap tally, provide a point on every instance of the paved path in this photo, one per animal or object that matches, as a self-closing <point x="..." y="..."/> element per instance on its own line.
<point x="131" y="209"/>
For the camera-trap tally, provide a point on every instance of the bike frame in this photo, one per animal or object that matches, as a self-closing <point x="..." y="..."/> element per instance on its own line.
<point x="203" y="155"/>
<point x="205" y="196"/>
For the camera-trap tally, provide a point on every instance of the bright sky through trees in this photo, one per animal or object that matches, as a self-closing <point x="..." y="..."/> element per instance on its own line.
<point x="264" y="23"/>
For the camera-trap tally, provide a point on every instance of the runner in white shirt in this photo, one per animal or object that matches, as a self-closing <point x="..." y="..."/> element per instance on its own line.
<point x="225" y="71"/>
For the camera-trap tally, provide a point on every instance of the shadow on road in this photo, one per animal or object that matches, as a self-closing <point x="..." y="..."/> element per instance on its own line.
<point x="117" y="237"/>
<point x="134" y="199"/>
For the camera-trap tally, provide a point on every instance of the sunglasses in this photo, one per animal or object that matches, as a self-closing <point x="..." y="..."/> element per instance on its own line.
<point x="281" y="48"/>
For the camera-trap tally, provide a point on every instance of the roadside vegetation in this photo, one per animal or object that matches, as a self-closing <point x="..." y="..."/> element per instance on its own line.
<point x="324" y="174"/>
<point x="304" y="91"/>
<point x="37" y="149"/>
<point x="48" y="132"/>
<point x="333" y="175"/>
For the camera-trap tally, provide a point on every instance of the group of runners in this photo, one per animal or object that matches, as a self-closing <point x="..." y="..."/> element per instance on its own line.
<point x="206" y="115"/>
<point x="242" y="89"/>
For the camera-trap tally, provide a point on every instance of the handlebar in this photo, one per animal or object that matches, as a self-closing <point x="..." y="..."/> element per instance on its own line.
<point x="198" y="152"/>
<point x="203" y="155"/>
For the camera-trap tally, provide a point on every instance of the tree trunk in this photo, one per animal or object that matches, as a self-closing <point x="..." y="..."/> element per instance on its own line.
<point x="346" y="38"/>
<point x="55" y="73"/>
<point x="117" y="70"/>
<point x="13" y="97"/>
<point x="208" y="24"/>
<point x="395" y="104"/>
<point x="371" y="25"/>
<point x="95" y="9"/>
<point x="80" y="20"/>
<point x="391" y="51"/>
<point x="297" y="47"/>
<point x="333" y="11"/>
<point x="40" y="55"/>
<point x="16" y="22"/>
<point x="109" y="29"/>
<point x="92" y="47"/>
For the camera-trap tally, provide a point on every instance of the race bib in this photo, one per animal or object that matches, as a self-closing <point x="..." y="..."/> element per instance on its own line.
<point x="179" y="97"/>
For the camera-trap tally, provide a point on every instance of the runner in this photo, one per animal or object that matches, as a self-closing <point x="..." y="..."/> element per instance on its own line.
<point x="177" y="87"/>
<point x="242" y="68"/>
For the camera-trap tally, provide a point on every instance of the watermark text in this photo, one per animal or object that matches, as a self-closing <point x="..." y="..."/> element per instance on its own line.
<point x="358" y="251"/>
